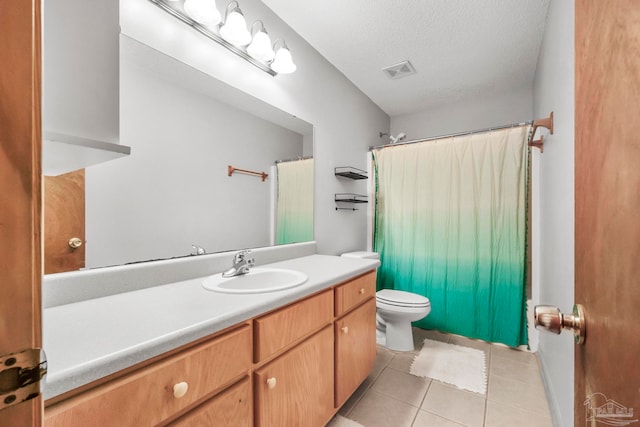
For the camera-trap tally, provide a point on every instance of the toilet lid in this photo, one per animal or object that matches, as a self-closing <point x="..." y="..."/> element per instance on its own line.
<point x="402" y="298"/>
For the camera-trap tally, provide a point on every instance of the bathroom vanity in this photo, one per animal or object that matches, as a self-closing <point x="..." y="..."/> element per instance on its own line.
<point x="290" y="358"/>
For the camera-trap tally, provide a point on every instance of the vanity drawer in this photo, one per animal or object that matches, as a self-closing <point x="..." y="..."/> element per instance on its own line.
<point x="355" y="292"/>
<point x="232" y="407"/>
<point x="277" y="330"/>
<point x="146" y="397"/>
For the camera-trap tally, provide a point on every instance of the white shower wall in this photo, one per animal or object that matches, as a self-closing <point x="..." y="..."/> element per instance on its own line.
<point x="469" y="114"/>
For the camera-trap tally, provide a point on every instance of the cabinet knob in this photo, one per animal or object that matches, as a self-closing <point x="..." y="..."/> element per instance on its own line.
<point x="345" y="329"/>
<point x="361" y="291"/>
<point x="271" y="382"/>
<point x="180" y="389"/>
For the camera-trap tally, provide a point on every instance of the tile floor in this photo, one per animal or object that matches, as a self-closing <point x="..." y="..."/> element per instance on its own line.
<point x="391" y="397"/>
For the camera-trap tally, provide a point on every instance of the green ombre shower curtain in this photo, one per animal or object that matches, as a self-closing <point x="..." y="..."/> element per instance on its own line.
<point x="294" y="221"/>
<point x="450" y="224"/>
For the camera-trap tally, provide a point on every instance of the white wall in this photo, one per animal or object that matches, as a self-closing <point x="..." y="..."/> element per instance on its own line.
<point x="345" y="121"/>
<point x="467" y="115"/>
<point x="553" y="179"/>
<point x="173" y="191"/>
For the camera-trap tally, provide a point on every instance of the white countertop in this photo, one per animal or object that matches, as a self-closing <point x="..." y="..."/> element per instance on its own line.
<point x="90" y="339"/>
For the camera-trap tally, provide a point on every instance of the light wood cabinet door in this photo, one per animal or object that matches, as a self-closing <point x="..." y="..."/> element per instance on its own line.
<point x="231" y="408"/>
<point x="296" y="389"/>
<point x="355" y="349"/>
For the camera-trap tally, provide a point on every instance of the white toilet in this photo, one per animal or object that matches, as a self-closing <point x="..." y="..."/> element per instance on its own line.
<point x="395" y="312"/>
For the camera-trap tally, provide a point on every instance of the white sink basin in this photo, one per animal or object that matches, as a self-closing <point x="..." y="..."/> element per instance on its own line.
<point x="257" y="280"/>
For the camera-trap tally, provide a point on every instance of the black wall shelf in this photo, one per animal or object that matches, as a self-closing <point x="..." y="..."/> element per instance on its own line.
<point x="351" y="173"/>
<point x="351" y="198"/>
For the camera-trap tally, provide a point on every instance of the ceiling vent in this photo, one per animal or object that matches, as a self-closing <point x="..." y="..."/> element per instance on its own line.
<point x="401" y="69"/>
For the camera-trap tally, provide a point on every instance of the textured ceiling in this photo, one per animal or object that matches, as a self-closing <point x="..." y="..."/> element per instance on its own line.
<point x="459" y="48"/>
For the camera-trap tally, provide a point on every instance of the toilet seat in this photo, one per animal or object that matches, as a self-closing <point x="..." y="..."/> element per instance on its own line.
<point x="395" y="298"/>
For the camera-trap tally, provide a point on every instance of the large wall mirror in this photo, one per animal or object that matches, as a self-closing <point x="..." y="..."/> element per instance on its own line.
<point x="174" y="190"/>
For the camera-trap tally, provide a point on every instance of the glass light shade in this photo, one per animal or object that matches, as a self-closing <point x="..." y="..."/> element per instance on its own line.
<point x="235" y="30"/>
<point x="260" y="48"/>
<point x="204" y="12"/>
<point x="283" y="63"/>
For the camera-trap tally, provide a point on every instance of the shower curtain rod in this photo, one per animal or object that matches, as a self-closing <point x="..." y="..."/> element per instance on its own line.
<point x="294" y="159"/>
<point x="431" y="138"/>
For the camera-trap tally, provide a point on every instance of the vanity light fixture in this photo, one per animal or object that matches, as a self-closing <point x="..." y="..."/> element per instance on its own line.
<point x="260" y="47"/>
<point x="234" y="30"/>
<point x="283" y="62"/>
<point x="204" y="17"/>
<point x="204" y="12"/>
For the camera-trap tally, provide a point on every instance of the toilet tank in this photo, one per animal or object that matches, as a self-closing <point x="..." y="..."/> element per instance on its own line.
<point x="362" y="254"/>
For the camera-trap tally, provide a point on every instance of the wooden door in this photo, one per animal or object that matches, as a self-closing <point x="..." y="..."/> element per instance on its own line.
<point x="355" y="347"/>
<point x="20" y="191"/>
<point x="63" y="220"/>
<point x="296" y="389"/>
<point x="607" y="241"/>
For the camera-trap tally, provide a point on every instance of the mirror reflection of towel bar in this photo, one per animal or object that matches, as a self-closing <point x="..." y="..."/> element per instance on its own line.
<point x="262" y="175"/>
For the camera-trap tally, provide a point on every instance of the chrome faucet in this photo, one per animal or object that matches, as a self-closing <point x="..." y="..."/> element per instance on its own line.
<point x="197" y="250"/>
<point x="241" y="264"/>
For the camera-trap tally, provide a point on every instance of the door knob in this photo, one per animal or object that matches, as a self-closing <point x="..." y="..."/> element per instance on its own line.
<point x="550" y="319"/>
<point x="75" y="243"/>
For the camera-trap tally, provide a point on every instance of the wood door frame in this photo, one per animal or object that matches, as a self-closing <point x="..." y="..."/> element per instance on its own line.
<point x="20" y="192"/>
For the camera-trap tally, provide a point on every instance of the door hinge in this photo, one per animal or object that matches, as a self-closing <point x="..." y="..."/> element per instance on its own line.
<point x="20" y="375"/>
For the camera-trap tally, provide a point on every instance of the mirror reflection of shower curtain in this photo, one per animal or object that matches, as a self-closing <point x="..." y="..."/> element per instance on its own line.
<point x="450" y="224"/>
<point x="294" y="219"/>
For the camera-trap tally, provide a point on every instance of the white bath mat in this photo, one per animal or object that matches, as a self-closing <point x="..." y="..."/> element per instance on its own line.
<point x="460" y="366"/>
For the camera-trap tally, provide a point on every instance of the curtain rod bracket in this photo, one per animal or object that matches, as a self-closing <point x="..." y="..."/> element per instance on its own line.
<point x="538" y="143"/>
<point x="546" y="123"/>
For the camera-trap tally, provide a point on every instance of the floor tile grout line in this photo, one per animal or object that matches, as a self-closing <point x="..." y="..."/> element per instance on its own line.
<point x="514" y="360"/>
<point x="370" y="385"/>
<point x="431" y="381"/>
<point x="519" y="408"/>
<point x="366" y="389"/>
<point x="444" y="418"/>
<point x="520" y="381"/>
<point x="486" y="396"/>
<point x="403" y="401"/>
<point x="421" y="402"/>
